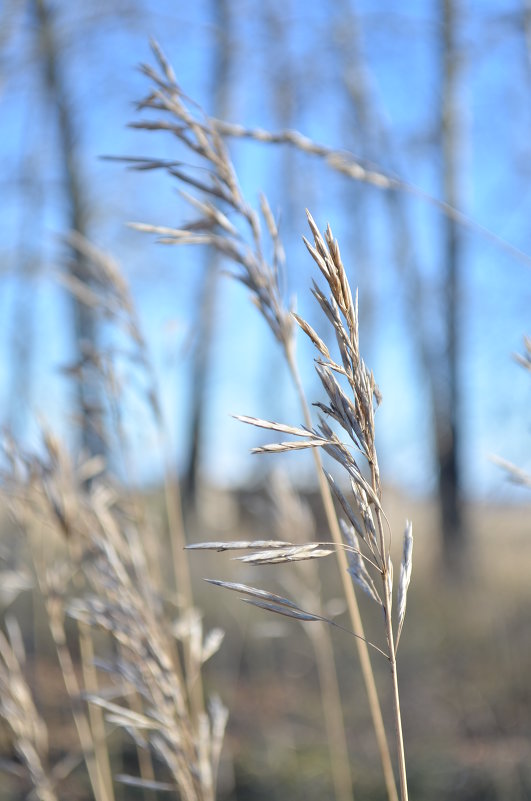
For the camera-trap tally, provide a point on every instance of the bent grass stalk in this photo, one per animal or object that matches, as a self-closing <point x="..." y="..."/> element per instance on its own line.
<point x="346" y="164"/>
<point x="367" y="548"/>
<point x="356" y="416"/>
<point x="350" y="597"/>
<point x="18" y="710"/>
<point x="199" y="136"/>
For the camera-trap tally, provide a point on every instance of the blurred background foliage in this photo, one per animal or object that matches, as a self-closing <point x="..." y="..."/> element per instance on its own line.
<point x="437" y="96"/>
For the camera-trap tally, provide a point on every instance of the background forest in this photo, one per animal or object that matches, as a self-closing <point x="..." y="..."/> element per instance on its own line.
<point x="124" y="359"/>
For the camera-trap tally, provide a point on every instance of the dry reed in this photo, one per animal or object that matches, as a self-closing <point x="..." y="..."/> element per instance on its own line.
<point x="148" y="680"/>
<point x="99" y="577"/>
<point x="240" y="240"/>
<point x="367" y="536"/>
<point x="18" y="709"/>
<point x="141" y="659"/>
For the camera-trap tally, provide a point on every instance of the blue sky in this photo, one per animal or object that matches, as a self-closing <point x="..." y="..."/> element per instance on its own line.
<point x="400" y="53"/>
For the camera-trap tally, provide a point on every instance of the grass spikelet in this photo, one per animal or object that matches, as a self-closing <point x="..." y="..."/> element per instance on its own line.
<point x="405" y="577"/>
<point x="357" y="568"/>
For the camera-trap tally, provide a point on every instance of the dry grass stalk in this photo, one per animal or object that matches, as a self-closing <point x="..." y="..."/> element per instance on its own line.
<point x="46" y="500"/>
<point x="100" y="577"/>
<point x="147" y="665"/>
<point x="367" y="543"/>
<point x="94" y="755"/>
<point x="355" y="414"/>
<point x="48" y="508"/>
<point x="345" y="163"/>
<point x="17" y="708"/>
<point x="109" y="296"/>
<point x="240" y="240"/>
<point x="118" y="598"/>
<point x="242" y="245"/>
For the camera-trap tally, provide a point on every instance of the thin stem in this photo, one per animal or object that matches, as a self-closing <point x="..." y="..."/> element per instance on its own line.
<point x="345" y="163"/>
<point x="332" y="710"/>
<point x="387" y="590"/>
<point x="74" y="692"/>
<point x="96" y="719"/>
<point x="350" y="596"/>
<point x="181" y="569"/>
<point x="396" y="702"/>
<point x="145" y="761"/>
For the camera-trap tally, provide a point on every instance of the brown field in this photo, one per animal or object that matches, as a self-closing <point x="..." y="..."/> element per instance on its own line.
<point x="464" y="666"/>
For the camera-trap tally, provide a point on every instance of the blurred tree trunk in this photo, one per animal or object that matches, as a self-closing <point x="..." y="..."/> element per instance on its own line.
<point x="440" y="363"/>
<point x="448" y="428"/>
<point x="280" y="93"/>
<point x="89" y="406"/>
<point x="362" y="136"/>
<point x="206" y="308"/>
<point x="526" y="26"/>
<point x="27" y="265"/>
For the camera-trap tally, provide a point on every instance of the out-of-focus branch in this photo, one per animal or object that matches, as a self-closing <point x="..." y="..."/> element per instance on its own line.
<point x="92" y="436"/>
<point x="206" y="306"/>
<point x="448" y="427"/>
<point x="347" y="164"/>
